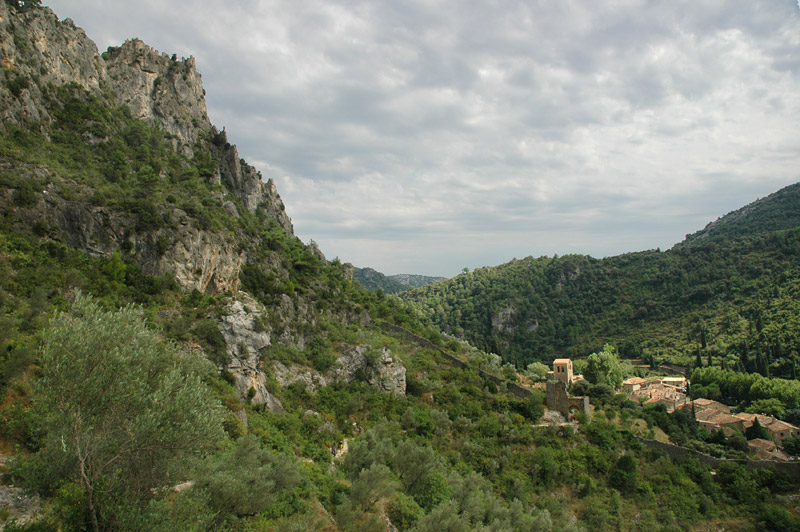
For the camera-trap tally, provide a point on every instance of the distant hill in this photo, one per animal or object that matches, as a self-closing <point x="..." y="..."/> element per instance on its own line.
<point x="731" y="291"/>
<point x="243" y="361"/>
<point x="778" y="211"/>
<point x="391" y="284"/>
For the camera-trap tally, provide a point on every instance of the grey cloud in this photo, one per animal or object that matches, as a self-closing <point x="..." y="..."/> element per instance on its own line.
<point x="442" y="135"/>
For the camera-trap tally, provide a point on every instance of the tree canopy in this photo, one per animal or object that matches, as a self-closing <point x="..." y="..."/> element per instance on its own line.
<point x="604" y="367"/>
<point x="122" y="411"/>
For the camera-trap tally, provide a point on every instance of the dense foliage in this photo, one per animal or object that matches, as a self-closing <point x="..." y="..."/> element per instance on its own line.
<point x="391" y="284"/>
<point x="733" y="301"/>
<point x="120" y="412"/>
<point x="120" y="423"/>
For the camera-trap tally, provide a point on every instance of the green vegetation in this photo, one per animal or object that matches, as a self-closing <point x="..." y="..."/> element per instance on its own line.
<point x="760" y="395"/>
<point x="392" y="284"/>
<point x="604" y="368"/>
<point x="121" y="413"/>
<point x="731" y="301"/>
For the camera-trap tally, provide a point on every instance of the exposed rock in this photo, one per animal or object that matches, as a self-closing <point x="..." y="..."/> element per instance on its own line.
<point x="378" y="368"/>
<point x="35" y="45"/>
<point x="503" y="318"/>
<point x="36" y="49"/>
<point x="241" y="415"/>
<point x="160" y="89"/>
<point x="246" y="183"/>
<point x="97" y="230"/>
<point x="18" y="506"/>
<point x="202" y="260"/>
<point x="287" y="375"/>
<point x="348" y="270"/>
<point x="245" y="340"/>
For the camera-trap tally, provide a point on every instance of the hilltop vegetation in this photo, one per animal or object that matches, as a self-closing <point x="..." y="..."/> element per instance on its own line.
<point x="129" y="251"/>
<point x="731" y="296"/>
<point x="392" y="284"/>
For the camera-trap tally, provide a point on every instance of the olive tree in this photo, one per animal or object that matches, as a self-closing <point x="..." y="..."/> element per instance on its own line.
<point x="604" y="367"/>
<point x="123" y="411"/>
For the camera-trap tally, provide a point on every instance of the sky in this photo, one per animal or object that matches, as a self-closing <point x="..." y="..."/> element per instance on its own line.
<point x="428" y="136"/>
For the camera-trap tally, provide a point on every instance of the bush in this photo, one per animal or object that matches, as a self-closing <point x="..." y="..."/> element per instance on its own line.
<point x="246" y="480"/>
<point x="123" y="410"/>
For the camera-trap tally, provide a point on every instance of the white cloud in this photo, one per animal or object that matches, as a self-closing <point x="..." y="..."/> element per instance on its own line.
<point x="428" y="136"/>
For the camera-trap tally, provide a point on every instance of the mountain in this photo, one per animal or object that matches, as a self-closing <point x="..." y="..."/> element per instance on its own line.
<point x="173" y="357"/>
<point x="729" y="291"/>
<point x="392" y="284"/>
<point x="779" y="211"/>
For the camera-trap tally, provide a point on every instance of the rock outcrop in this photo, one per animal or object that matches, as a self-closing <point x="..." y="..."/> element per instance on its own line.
<point x="39" y="54"/>
<point x="377" y="368"/>
<point x="247" y="336"/>
<point x="246" y="339"/>
<point x="246" y="183"/>
<point x="37" y="49"/>
<point x="161" y="90"/>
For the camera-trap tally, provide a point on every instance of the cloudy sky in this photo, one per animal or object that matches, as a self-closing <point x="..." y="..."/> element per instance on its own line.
<point x="425" y="136"/>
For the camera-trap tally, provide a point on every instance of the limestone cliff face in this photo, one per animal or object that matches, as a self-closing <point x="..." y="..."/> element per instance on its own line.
<point x="246" y="339"/>
<point x="160" y="89"/>
<point x="380" y="370"/>
<point x="248" y="335"/>
<point x="247" y="183"/>
<point x="39" y="52"/>
<point x="37" y="49"/>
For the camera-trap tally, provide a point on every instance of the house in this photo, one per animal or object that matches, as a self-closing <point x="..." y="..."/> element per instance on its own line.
<point x="675" y="382"/>
<point x="562" y="370"/>
<point x="633" y="384"/>
<point x="781" y="431"/>
<point x="714" y="421"/>
<point x="759" y="443"/>
<point x="657" y="393"/>
<point x="701" y="404"/>
<point x="765" y="450"/>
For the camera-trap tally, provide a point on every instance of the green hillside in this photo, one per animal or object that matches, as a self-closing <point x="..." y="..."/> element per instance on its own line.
<point x="173" y="358"/>
<point x="390" y="284"/>
<point x="730" y="291"/>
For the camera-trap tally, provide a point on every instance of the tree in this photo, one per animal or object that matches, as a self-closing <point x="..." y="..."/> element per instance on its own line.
<point x="372" y="485"/>
<point x="245" y="479"/>
<point x="604" y="368"/>
<point x="122" y="410"/>
<point x="757" y="431"/>
<point x="538" y="371"/>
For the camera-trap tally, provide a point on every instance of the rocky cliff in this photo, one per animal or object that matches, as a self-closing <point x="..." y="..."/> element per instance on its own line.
<point x="174" y="197"/>
<point x="37" y="50"/>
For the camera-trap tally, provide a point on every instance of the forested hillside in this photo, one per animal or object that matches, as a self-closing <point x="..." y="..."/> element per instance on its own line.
<point x="391" y="284"/>
<point x="172" y="357"/>
<point x="729" y="292"/>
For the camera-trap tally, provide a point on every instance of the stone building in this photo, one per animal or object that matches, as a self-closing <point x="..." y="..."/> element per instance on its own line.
<point x="562" y="370"/>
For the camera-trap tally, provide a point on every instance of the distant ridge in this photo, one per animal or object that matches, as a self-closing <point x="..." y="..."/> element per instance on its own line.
<point x="391" y="284"/>
<point x="736" y="281"/>
<point x="777" y="212"/>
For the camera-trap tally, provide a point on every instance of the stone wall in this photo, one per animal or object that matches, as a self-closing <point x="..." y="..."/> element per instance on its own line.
<point x="676" y="452"/>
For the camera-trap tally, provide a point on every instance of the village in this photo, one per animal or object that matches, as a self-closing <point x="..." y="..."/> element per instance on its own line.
<point x="671" y="392"/>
